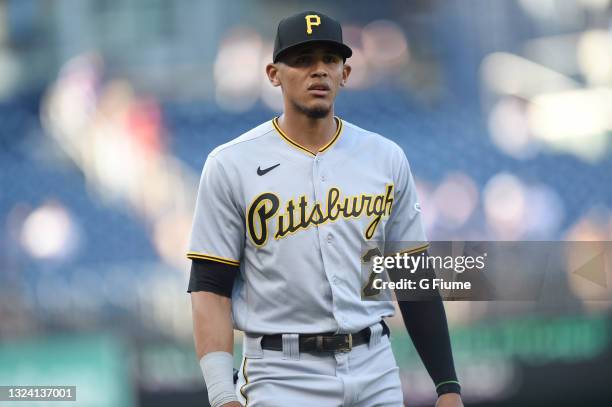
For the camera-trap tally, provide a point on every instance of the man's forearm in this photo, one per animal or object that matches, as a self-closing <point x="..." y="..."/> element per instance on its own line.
<point x="214" y="340"/>
<point x="425" y="321"/>
<point x="428" y="329"/>
<point x="212" y="323"/>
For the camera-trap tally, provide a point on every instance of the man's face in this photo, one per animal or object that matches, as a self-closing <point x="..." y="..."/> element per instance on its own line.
<point x="310" y="77"/>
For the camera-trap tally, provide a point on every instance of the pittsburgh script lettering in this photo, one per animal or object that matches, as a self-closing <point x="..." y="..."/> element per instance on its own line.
<point x="299" y="214"/>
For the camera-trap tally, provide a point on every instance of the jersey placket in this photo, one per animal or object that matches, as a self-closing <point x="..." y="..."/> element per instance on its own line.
<point x="326" y="236"/>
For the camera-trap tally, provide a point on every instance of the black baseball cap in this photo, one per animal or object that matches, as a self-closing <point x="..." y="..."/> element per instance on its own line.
<point x="307" y="27"/>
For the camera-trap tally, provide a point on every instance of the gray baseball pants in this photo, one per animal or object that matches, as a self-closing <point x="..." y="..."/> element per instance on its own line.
<point x="367" y="376"/>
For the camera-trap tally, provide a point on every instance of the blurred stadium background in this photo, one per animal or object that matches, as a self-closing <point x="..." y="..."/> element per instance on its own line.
<point x="108" y="109"/>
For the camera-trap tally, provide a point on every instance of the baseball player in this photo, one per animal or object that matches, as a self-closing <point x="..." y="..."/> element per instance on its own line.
<point x="282" y="215"/>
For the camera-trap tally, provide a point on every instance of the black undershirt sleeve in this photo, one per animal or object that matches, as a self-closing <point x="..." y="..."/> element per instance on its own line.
<point x="425" y="321"/>
<point x="212" y="276"/>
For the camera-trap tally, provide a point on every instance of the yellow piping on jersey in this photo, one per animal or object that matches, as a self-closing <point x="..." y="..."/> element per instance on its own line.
<point x="414" y="250"/>
<point x="246" y="381"/>
<point x="333" y="140"/>
<point x="218" y="259"/>
<point x="300" y="147"/>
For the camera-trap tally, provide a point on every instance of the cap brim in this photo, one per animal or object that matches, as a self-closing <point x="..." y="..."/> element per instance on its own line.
<point x="343" y="50"/>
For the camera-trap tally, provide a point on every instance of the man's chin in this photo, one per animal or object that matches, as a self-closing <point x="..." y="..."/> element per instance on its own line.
<point x="316" y="111"/>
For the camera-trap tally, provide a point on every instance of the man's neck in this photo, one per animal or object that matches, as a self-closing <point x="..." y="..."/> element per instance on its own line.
<point x="312" y="134"/>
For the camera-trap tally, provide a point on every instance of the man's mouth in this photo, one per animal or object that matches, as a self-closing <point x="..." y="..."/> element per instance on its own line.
<point x="319" y="89"/>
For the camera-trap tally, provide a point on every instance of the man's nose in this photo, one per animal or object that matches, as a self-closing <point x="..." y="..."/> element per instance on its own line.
<point x="319" y="69"/>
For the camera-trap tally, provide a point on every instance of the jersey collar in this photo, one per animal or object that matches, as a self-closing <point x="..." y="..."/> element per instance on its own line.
<point x="326" y="147"/>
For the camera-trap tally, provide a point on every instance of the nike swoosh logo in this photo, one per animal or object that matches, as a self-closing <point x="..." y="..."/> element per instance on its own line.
<point x="261" y="172"/>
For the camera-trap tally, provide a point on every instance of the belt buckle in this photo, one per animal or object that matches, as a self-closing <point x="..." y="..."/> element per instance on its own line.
<point x="348" y="345"/>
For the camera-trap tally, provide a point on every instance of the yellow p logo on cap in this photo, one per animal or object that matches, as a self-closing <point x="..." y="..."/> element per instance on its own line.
<point x="311" y="21"/>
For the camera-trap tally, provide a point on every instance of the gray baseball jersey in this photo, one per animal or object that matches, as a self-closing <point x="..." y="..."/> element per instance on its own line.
<point x="296" y="223"/>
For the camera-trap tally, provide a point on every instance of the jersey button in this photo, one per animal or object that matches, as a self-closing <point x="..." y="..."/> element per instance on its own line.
<point x="323" y="178"/>
<point x="330" y="238"/>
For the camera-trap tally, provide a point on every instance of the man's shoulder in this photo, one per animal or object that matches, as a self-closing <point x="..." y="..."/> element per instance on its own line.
<point x="236" y="145"/>
<point x="371" y="139"/>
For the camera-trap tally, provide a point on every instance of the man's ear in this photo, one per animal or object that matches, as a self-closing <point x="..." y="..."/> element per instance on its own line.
<point x="346" y="71"/>
<point x="272" y="72"/>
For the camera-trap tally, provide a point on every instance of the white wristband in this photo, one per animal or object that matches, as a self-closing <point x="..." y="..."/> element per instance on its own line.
<point x="218" y="371"/>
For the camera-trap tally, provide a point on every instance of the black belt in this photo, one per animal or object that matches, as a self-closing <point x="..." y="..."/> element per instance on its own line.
<point x="327" y="342"/>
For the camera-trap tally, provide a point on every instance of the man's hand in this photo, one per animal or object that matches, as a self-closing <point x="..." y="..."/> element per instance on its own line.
<point x="449" y="400"/>
<point x="232" y="404"/>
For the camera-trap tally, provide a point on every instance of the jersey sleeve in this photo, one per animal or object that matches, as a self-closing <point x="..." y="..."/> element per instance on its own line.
<point x="404" y="232"/>
<point x="217" y="232"/>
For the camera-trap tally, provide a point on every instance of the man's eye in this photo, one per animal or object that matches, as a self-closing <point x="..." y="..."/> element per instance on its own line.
<point x="329" y="58"/>
<point x="301" y="60"/>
